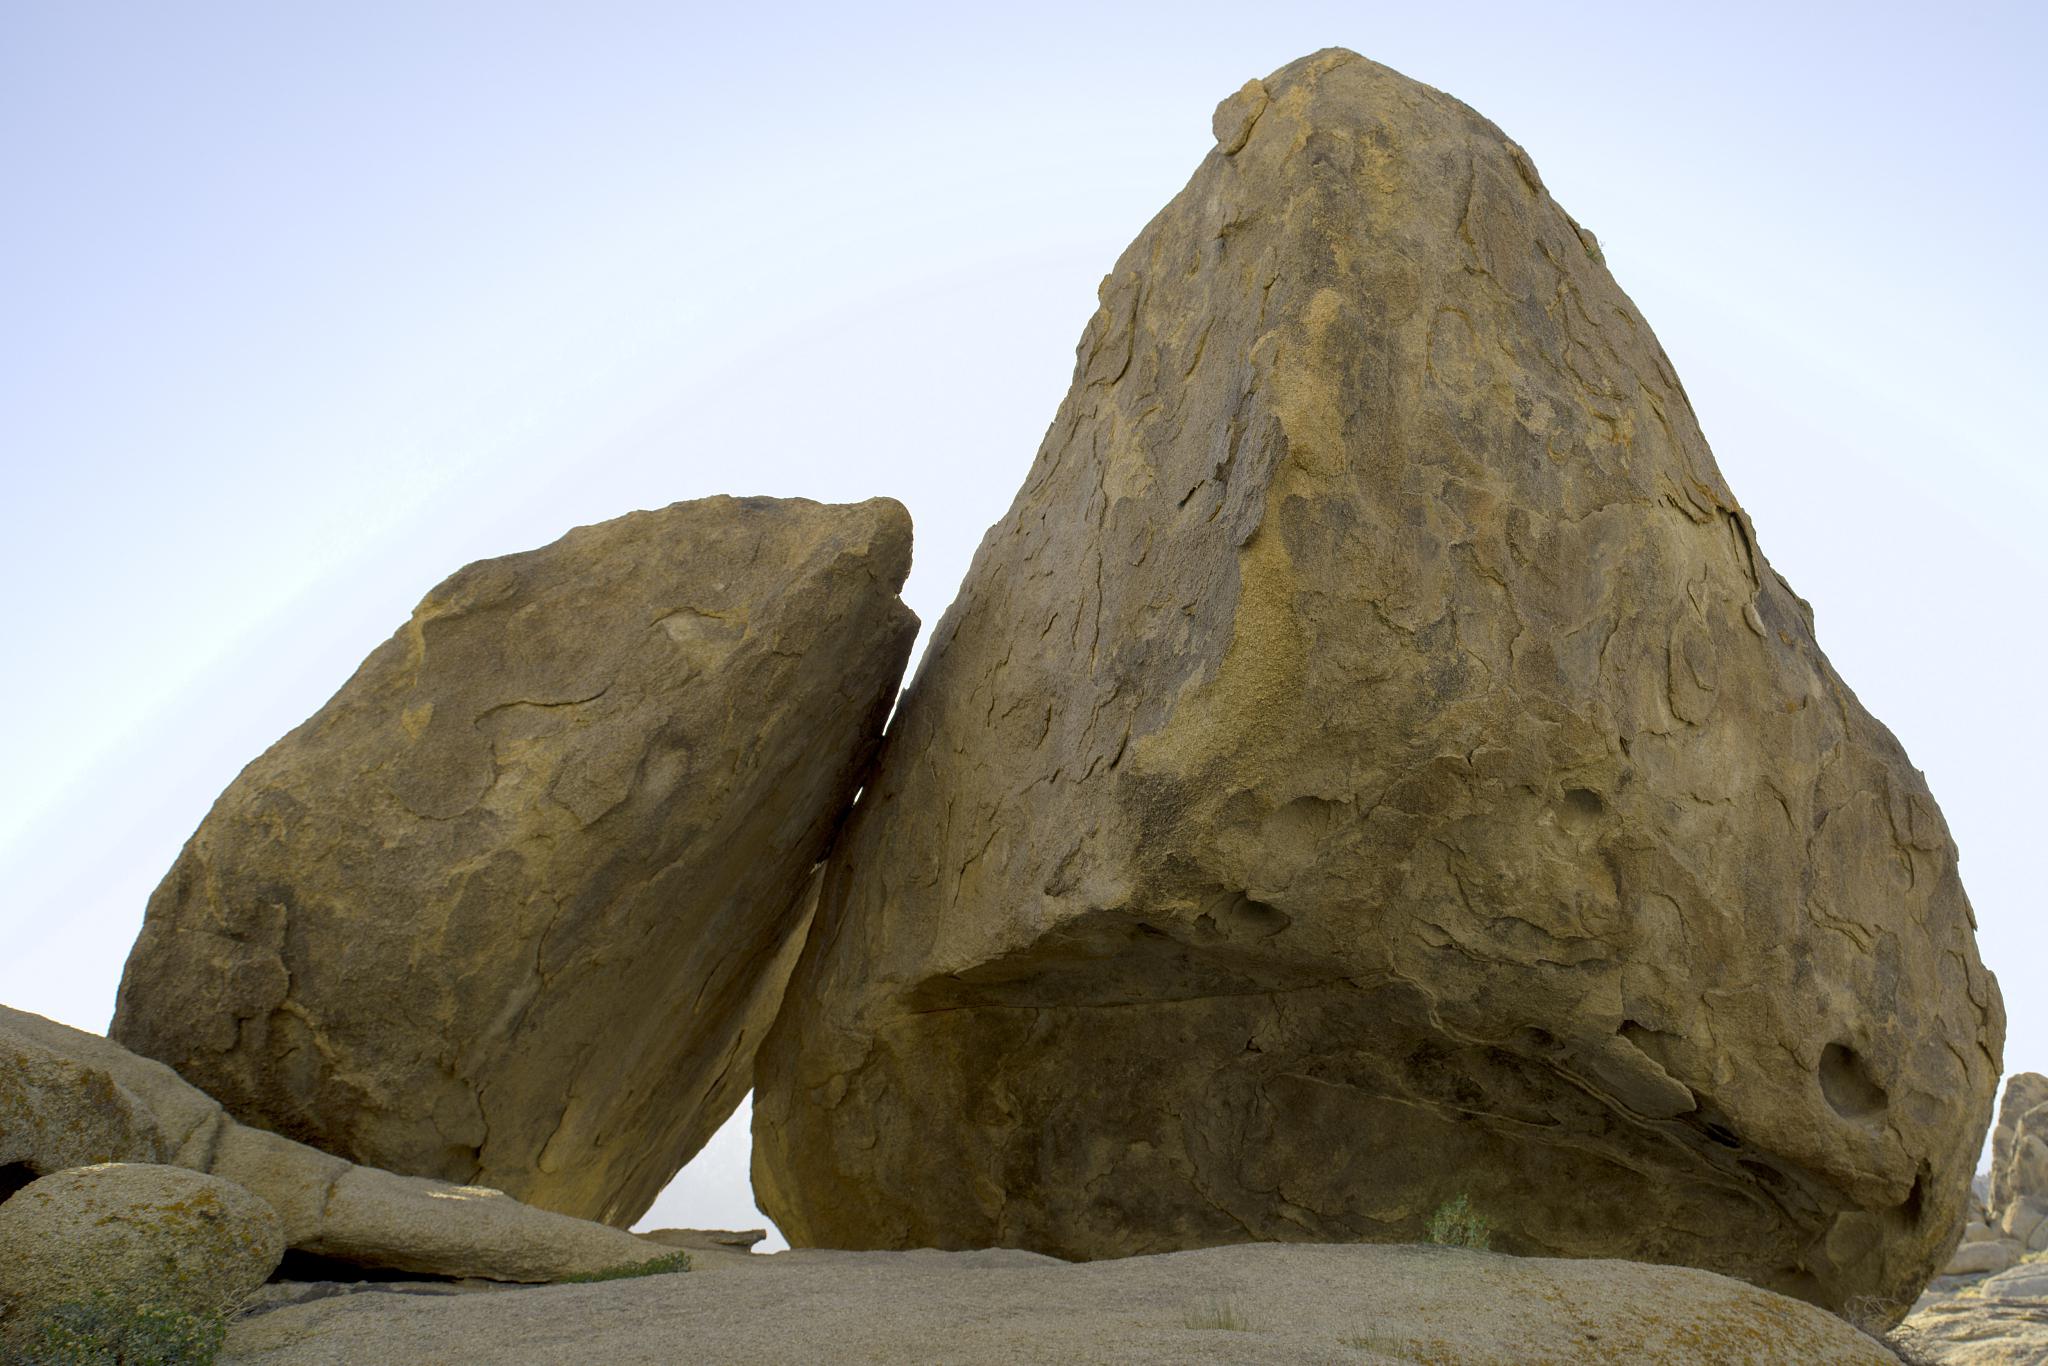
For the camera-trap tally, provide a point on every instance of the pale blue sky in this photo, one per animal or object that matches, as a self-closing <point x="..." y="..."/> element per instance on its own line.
<point x="302" y="308"/>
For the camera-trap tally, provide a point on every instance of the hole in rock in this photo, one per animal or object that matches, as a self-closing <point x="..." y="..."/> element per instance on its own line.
<point x="311" y="1266"/>
<point x="1916" y="1198"/>
<point x="13" y="1176"/>
<point x="1846" y="1081"/>
<point x="1581" y="808"/>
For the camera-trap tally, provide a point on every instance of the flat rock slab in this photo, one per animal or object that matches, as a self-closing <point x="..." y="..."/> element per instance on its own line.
<point x="1978" y="1330"/>
<point x="1261" y="1303"/>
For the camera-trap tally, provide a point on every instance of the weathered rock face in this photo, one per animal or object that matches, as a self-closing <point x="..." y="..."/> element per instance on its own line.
<point x="328" y="1207"/>
<point x="2019" y="1161"/>
<point x="138" y="1233"/>
<point x="516" y="905"/>
<point x="1372" y="762"/>
<point x="57" y="1113"/>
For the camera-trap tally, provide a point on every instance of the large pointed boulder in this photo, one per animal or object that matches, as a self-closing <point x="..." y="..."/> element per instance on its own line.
<point x="1373" y="764"/>
<point x="516" y="906"/>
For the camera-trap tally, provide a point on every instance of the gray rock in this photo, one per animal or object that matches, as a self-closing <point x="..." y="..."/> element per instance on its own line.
<point x="139" y="1234"/>
<point x="2028" y="1281"/>
<point x="2024" y="1093"/>
<point x="327" y="1206"/>
<point x="1977" y="1258"/>
<point x="516" y="905"/>
<point x="1259" y="1304"/>
<point x="56" y="1113"/>
<point x="1972" y="1331"/>
<point x="1375" y="754"/>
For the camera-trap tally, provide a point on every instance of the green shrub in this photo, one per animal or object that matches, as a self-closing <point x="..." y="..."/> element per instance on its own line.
<point x="1455" y="1225"/>
<point x="108" y="1331"/>
<point x="660" y="1266"/>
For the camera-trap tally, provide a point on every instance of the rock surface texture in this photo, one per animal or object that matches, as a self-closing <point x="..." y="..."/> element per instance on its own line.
<point x="1372" y="762"/>
<point x="515" y="907"/>
<point x="329" y="1207"/>
<point x="1359" y="1305"/>
<point x="142" y="1234"/>
<point x="2019" y="1162"/>
<point x="1988" y="1328"/>
<point x="57" y="1113"/>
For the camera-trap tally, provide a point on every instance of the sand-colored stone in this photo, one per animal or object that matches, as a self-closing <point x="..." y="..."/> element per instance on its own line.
<point x="1986" y="1328"/>
<point x="326" y="1206"/>
<point x="57" y="1113"/>
<point x="139" y="1234"/>
<point x="1373" y="762"/>
<point x="2019" y="1145"/>
<point x="1364" y="1305"/>
<point x="516" y="905"/>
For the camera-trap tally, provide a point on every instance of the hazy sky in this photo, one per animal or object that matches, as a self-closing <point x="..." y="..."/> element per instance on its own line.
<point x="301" y="308"/>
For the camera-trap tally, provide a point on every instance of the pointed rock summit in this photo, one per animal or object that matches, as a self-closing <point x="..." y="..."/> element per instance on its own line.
<point x="1372" y="764"/>
<point x="516" y="906"/>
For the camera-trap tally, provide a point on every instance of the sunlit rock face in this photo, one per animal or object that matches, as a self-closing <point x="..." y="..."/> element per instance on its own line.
<point x="1373" y="762"/>
<point x="516" y="906"/>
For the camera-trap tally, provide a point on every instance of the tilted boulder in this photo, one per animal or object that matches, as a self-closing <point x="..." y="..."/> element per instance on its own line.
<point x="329" y="1207"/>
<point x="1372" y="763"/>
<point x="515" y="907"/>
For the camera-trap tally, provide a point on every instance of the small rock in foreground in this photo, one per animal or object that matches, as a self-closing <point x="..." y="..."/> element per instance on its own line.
<point x="133" y="1235"/>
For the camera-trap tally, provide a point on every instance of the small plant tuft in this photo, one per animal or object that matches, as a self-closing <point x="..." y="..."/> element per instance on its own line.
<point x="1218" y="1314"/>
<point x="660" y="1266"/>
<point x="1456" y="1225"/>
<point x="106" y="1330"/>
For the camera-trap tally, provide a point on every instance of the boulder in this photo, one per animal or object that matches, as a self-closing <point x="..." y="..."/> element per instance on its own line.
<point x="327" y="1206"/>
<point x="2019" y="1144"/>
<point x="1982" y="1257"/>
<point x="1373" y="764"/>
<point x="2025" y="1221"/>
<point x="2027" y="1281"/>
<point x="57" y="1113"/>
<point x="138" y="1234"/>
<point x="515" y="906"/>
<point x="1241" y="1305"/>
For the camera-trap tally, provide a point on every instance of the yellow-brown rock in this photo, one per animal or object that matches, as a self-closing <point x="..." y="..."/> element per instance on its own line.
<point x="1373" y="763"/>
<point x="514" y="908"/>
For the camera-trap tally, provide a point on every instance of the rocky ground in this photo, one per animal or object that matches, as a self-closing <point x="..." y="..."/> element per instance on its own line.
<point x="1981" y="1320"/>
<point x="1251" y="1303"/>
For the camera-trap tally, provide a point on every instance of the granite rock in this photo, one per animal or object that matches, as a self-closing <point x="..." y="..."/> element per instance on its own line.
<point x="1371" y="763"/>
<point x="141" y="1234"/>
<point x="327" y="1207"/>
<point x="516" y="905"/>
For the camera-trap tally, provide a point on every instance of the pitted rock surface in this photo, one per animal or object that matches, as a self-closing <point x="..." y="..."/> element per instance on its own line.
<point x="1373" y="762"/>
<point x="515" y="907"/>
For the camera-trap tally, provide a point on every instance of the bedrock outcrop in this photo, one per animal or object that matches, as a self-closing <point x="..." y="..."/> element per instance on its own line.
<point x="515" y="907"/>
<point x="1373" y="762"/>
<point x="328" y="1207"/>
